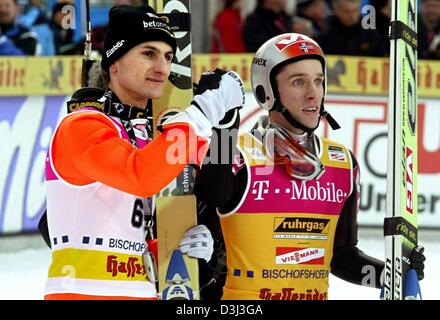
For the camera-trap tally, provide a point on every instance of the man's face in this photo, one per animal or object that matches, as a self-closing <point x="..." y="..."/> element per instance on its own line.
<point x="301" y="89"/>
<point x="430" y="10"/>
<point x="348" y="12"/>
<point x="141" y="73"/>
<point x="275" y="5"/>
<point x="8" y="11"/>
<point x="317" y="10"/>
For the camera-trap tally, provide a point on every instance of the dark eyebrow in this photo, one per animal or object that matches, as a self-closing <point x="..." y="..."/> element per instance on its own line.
<point x="150" y="47"/>
<point x="304" y="75"/>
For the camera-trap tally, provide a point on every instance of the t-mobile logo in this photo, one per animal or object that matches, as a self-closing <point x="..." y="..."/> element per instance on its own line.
<point x="259" y="188"/>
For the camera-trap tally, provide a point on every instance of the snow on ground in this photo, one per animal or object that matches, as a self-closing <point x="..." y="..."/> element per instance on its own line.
<point x="23" y="272"/>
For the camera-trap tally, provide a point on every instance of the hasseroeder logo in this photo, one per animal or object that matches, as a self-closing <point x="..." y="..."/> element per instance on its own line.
<point x="291" y="294"/>
<point x="114" y="48"/>
<point x="292" y="255"/>
<point x="131" y="267"/>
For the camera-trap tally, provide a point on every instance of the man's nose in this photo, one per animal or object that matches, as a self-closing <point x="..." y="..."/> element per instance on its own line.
<point x="312" y="91"/>
<point x="162" y="65"/>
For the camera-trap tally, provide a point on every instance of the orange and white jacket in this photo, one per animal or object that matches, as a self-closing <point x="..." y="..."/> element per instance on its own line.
<point x="99" y="186"/>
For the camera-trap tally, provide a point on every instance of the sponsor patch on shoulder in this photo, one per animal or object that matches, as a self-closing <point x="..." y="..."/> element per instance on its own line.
<point x="77" y="105"/>
<point x="337" y="154"/>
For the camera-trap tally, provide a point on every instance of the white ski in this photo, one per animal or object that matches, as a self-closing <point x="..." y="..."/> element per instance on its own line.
<point x="400" y="227"/>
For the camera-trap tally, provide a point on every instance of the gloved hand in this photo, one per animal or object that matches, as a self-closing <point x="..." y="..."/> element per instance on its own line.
<point x="417" y="261"/>
<point x="217" y="93"/>
<point x="209" y="80"/>
<point x="197" y="242"/>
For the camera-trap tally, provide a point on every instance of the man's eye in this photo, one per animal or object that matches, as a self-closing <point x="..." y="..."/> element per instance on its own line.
<point x="298" y="82"/>
<point x="319" y="81"/>
<point x="169" y="58"/>
<point x="149" y="53"/>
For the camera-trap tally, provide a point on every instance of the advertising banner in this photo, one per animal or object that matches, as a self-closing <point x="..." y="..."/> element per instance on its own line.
<point x="26" y="127"/>
<point x="39" y="75"/>
<point x="346" y="75"/>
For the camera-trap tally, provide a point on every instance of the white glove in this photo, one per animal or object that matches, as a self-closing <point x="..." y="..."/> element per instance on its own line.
<point x="197" y="242"/>
<point x="210" y="107"/>
<point x="215" y="103"/>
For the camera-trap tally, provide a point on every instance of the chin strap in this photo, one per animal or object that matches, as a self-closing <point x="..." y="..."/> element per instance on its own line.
<point x="322" y="114"/>
<point x="331" y="121"/>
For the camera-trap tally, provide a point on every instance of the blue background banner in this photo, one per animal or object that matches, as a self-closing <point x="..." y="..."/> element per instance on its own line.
<point x="26" y="127"/>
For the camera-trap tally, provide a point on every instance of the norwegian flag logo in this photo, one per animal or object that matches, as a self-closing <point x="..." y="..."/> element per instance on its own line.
<point x="306" y="47"/>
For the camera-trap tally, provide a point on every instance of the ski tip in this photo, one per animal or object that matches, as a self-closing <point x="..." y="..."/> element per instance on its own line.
<point x="177" y="271"/>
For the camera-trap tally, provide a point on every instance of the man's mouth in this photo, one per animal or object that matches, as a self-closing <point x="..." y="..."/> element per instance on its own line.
<point x="155" y="80"/>
<point x="311" y="110"/>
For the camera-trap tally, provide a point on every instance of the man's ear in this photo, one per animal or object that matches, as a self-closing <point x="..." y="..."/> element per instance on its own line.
<point x="113" y="68"/>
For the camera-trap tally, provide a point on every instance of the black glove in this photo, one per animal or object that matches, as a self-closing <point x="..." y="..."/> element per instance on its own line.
<point x="417" y="261"/>
<point x="208" y="81"/>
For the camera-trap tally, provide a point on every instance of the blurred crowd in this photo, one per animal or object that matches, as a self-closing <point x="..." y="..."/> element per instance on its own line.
<point x="339" y="26"/>
<point x="29" y="27"/>
<point x="345" y="27"/>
